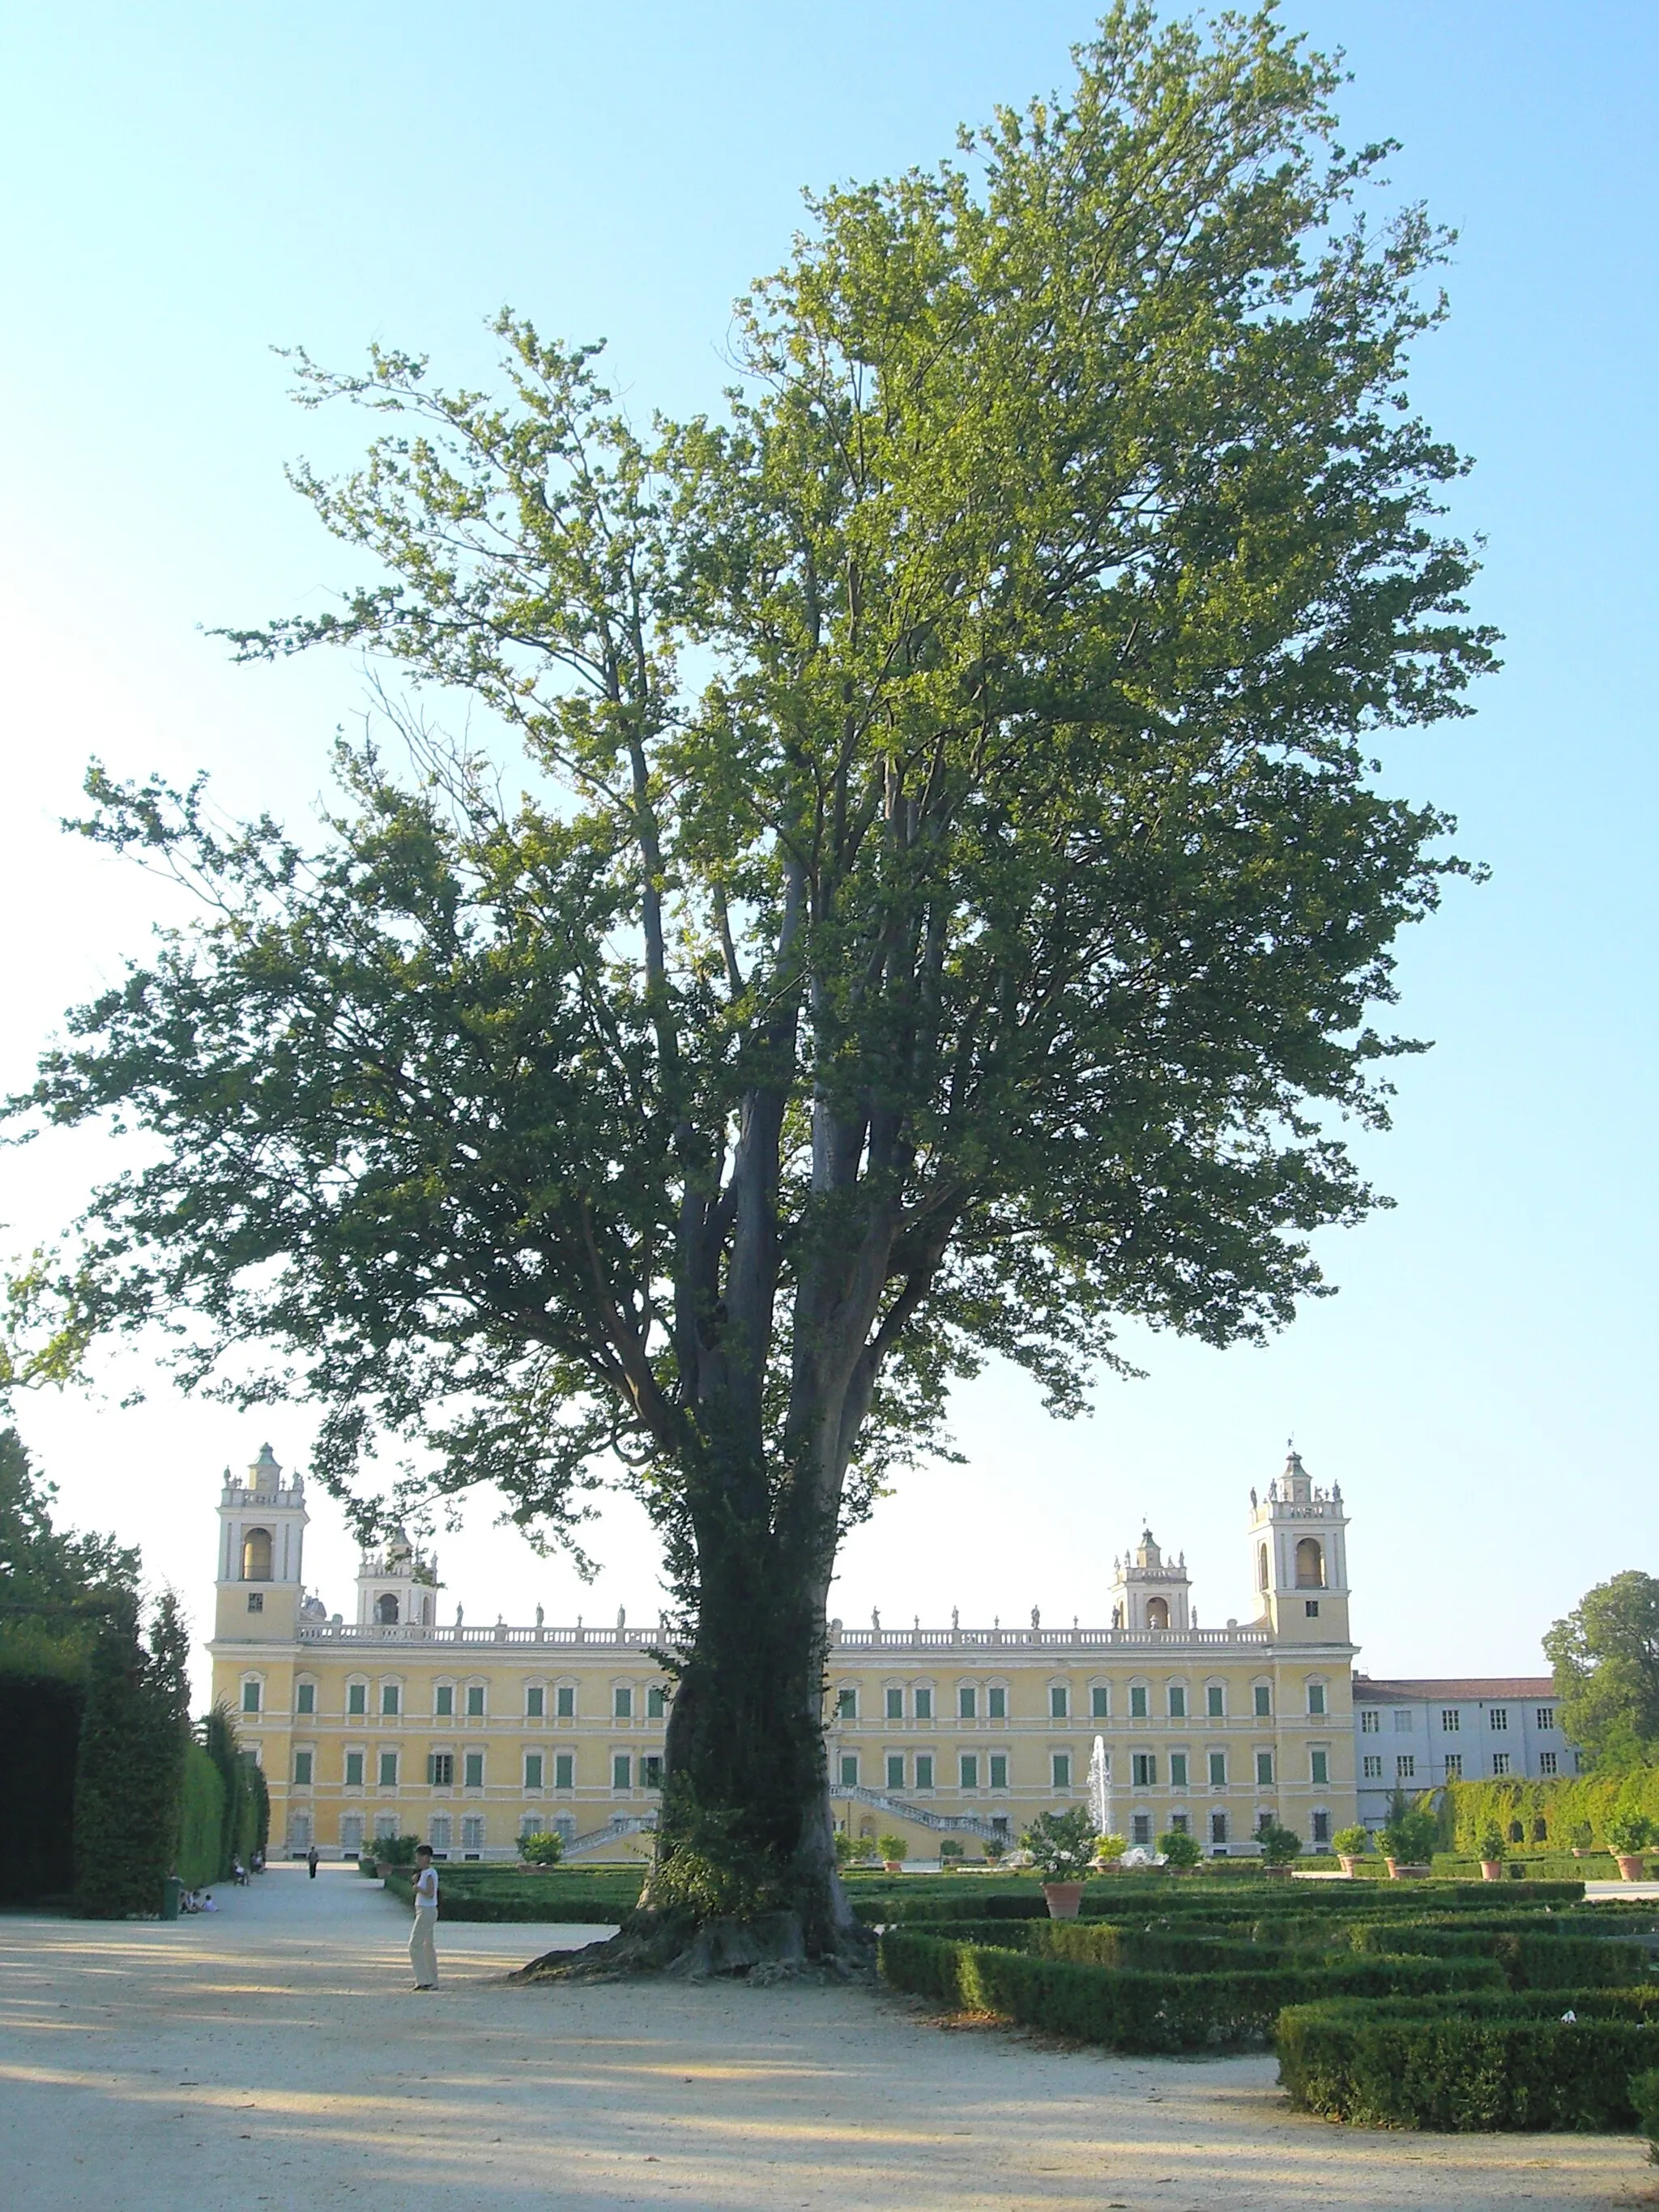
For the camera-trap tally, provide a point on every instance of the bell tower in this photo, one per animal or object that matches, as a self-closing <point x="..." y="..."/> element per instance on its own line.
<point x="262" y="1533"/>
<point x="1299" y="1558"/>
<point x="1149" y="1591"/>
<point x="397" y="1586"/>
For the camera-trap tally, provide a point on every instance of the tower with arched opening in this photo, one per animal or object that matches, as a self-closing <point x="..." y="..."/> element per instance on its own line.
<point x="1299" y="1558"/>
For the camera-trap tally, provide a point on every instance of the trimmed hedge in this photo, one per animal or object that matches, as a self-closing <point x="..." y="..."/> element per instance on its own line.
<point x="1132" y="2011"/>
<point x="201" y="1829"/>
<point x="1644" y="2096"/>
<point x="1480" y="2063"/>
<point x="1532" y="1957"/>
<point x="485" y="1894"/>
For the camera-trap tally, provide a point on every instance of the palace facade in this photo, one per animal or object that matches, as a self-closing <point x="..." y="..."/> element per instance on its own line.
<point x="471" y="1736"/>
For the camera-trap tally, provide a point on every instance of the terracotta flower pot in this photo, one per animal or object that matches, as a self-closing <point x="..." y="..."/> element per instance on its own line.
<point x="1064" y="1898"/>
<point x="1632" y="1866"/>
<point x="1349" y="1862"/>
<point x="1401" y="1870"/>
<point x="1491" y="1869"/>
<point x="893" y="1866"/>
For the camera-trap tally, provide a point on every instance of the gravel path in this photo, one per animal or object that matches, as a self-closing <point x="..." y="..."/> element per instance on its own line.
<point x="273" y="2055"/>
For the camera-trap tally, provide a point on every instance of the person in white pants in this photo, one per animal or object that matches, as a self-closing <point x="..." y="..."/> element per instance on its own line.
<point x="424" y="1936"/>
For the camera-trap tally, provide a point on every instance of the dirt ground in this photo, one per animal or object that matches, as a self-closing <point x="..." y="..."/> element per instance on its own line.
<point x="274" y="2055"/>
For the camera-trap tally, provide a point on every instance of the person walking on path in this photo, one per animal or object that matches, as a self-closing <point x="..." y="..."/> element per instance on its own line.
<point x="424" y="1936"/>
<point x="311" y="1862"/>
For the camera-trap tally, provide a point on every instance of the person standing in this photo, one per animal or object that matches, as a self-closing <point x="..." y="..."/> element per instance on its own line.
<point x="312" y="1856"/>
<point x="424" y="1936"/>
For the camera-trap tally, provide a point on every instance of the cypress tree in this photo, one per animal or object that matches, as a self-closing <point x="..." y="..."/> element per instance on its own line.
<point x="130" y="1777"/>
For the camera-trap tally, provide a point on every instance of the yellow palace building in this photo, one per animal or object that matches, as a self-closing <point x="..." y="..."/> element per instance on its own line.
<point x="468" y="1737"/>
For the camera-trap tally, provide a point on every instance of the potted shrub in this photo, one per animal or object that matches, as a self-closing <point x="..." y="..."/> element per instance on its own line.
<point x="1277" y="1846"/>
<point x="1628" y="1835"/>
<point x="994" y="1848"/>
<point x="1409" y="1839"/>
<point x="1180" y="1849"/>
<point x="1060" y="1845"/>
<point x="894" y="1852"/>
<point x="1109" y="1854"/>
<point x="1351" y="1845"/>
<point x="949" y="1855"/>
<point x="1583" y="1840"/>
<point x="1492" y="1851"/>
<point x="543" y="1849"/>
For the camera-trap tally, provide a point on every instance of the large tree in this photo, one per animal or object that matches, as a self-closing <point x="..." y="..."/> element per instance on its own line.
<point x="945" y="908"/>
<point x="1606" y="1658"/>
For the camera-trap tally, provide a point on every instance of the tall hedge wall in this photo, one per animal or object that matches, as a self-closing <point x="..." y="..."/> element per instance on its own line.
<point x="1558" y="1806"/>
<point x="39" y="1732"/>
<point x="201" y="1832"/>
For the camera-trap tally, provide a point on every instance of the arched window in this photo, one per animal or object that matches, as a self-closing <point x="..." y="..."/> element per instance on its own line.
<point x="256" y="1555"/>
<point x="1158" y="1612"/>
<point x="386" y="1609"/>
<point x="1309" y="1564"/>
<point x="1262" y="1566"/>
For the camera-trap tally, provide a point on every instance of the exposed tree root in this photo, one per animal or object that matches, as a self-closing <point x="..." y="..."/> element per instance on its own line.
<point x="766" y="1949"/>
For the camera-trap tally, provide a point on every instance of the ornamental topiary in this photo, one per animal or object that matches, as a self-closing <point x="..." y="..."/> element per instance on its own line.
<point x="544" y="1849"/>
<point x="1629" y="1833"/>
<point x="1492" y="1845"/>
<point x="1352" y="1843"/>
<point x="1180" y="1849"/>
<point x="1060" y="1844"/>
<point x="1278" y="1845"/>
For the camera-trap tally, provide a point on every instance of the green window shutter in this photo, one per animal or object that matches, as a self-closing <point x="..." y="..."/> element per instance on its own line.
<point x="1062" y="1769"/>
<point x="354" y="1769"/>
<point x="474" y="1770"/>
<point x="623" y="1702"/>
<point x="896" y="1770"/>
<point x="1100" y="1703"/>
<point x="443" y="1701"/>
<point x="1320" y="1763"/>
<point x="1218" y="1770"/>
<point x="847" y="1705"/>
<point x="474" y="1701"/>
<point x="1178" y="1702"/>
<point x="564" y="1769"/>
<point x="924" y="1703"/>
<point x="999" y="1770"/>
<point x="650" y="1770"/>
<point x="390" y="1700"/>
<point x="1137" y="1701"/>
<point x="924" y="1770"/>
<point x="1264" y="1766"/>
<point x="304" y="1698"/>
<point x="565" y="1700"/>
<point x="1060" y="1701"/>
<point x="388" y="1770"/>
<point x="656" y="1702"/>
<point x="1216" y="1697"/>
<point x="532" y="1770"/>
<point x="535" y="1701"/>
<point x="969" y="1770"/>
<point x="996" y="1703"/>
<point x="1177" y="1770"/>
<point x="250" y="1697"/>
<point x="967" y="1702"/>
<point x="302" y="1769"/>
<point x="849" y="1769"/>
<point x="896" y="1705"/>
<point x="1264" y="1702"/>
<point x="357" y="1698"/>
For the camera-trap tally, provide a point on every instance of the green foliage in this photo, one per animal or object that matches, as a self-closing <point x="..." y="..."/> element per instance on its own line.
<point x="396" y="1850"/>
<point x="1410" y="1833"/>
<point x="1493" y="1844"/>
<point x="1278" y="1845"/>
<point x="1629" y="1831"/>
<point x="41" y="1717"/>
<point x="55" y="1587"/>
<point x="1484" y="2062"/>
<point x="1108" y="1849"/>
<point x="545" y="1848"/>
<point x="246" y="1810"/>
<point x="892" y="1847"/>
<point x="949" y="1850"/>
<point x="1606" y="1658"/>
<point x="1179" y="1849"/>
<point x="1061" y="1844"/>
<point x="201" y="1860"/>
<point x="1570" y="1810"/>
<point x="1352" y="1843"/>
<point x="1644" y="2098"/>
<point x="130" y="1773"/>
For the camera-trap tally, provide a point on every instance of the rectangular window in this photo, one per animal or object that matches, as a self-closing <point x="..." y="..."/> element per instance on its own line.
<point x="1319" y="1768"/>
<point x="256" y="1601"/>
<point x="1500" y="1762"/>
<point x="1264" y="1767"/>
<point x="849" y="1769"/>
<point x="1499" y="1716"/>
<point x="535" y="1701"/>
<point x="1177" y="1770"/>
<point x="250" y="1697"/>
<point x="1453" y="1766"/>
<point x="622" y="1770"/>
<point x="622" y="1703"/>
<point x="473" y="1773"/>
<point x="1215" y="1699"/>
<point x="650" y="1770"/>
<point x="475" y="1694"/>
<point x="1100" y="1703"/>
<point x="847" y="1705"/>
<point x="996" y="1703"/>
<point x="1544" y="1716"/>
<point x="1143" y="1769"/>
<point x="1264" y="1702"/>
<point x="304" y="1698"/>
<point x="564" y="1702"/>
<point x="999" y="1770"/>
<point x="441" y="1768"/>
<point x="1316" y="1699"/>
<point x="388" y="1770"/>
<point x="1310" y="1606"/>
<point x="1218" y="1827"/>
<point x="1062" y="1769"/>
<point x="1137" y="1701"/>
<point x="354" y="1769"/>
<point x="391" y="1701"/>
<point x="1321" y="1827"/>
<point x="924" y="1703"/>
<point x="1547" y="1762"/>
<point x="1405" y="1767"/>
<point x="1451" y="1720"/>
<point x="924" y="1770"/>
<point x="969" y="1770"/>
<point x="896" y="1770"/>
<point x="302" y="1769"/>
<point x="1373" y="1765"/>
<point x="896" y="1705"/>
<point x="1178" y="1702"/>
<point x="564" y="1769"/>
<point x="1370" y="1721"/>
<point x="1402" y="1720"/>
<point x="656" y="1702"/>
<point x="1060" y="1701"/>
<point x="1140" y="1830"/>
<point x="967" y="1702"/>
<point x="443" y="1701"/>
<point x="532" y="1770"/>
<point x="1218" y="1770"/>
<point x="472" y="1833"/>
<point x="351" y="1832"/>
<point x="1180" y="1824"/>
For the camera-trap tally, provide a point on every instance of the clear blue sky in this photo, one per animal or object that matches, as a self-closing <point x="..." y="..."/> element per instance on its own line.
<point x="185" y="187"/>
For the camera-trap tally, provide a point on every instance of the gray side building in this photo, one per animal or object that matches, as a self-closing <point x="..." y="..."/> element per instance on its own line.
<point x="1415" y="1735"/>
